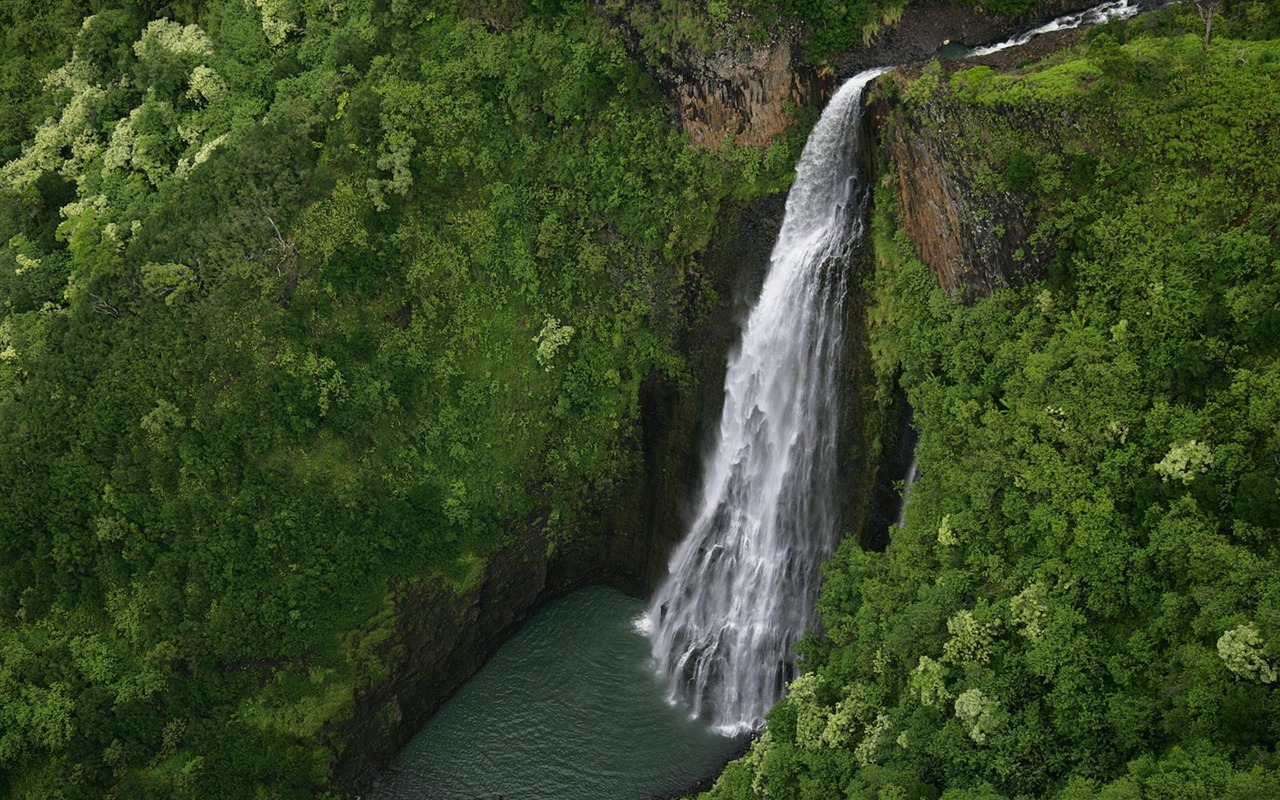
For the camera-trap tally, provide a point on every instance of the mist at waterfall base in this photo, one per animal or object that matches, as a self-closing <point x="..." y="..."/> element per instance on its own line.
<point x="568" y="708"/>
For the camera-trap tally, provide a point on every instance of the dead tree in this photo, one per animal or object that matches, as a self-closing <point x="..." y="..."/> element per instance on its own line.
<point x="1206" y="10"/>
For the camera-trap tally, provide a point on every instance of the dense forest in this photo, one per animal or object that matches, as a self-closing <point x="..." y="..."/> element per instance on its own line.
<point x="299" y="298"/>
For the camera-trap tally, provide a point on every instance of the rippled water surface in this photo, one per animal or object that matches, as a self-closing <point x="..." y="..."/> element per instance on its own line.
<point x="568" y="708"/>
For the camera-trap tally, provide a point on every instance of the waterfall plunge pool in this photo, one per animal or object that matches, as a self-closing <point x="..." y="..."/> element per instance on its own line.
<point x="568" y="708"/>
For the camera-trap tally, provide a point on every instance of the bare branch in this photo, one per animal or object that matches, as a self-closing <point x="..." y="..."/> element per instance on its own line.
<point x="101" y="306"/>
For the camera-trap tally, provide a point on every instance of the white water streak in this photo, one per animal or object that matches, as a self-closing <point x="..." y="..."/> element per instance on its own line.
<point x="743" y="582"/>
<point x="1120" y="9"/>
<point x="742" y="585"/>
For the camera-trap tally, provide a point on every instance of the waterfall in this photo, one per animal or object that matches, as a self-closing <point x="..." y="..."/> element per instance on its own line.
<point x="1121" y="9"/>
<point x="742" y="584"/>
<point x="912" y="473"/>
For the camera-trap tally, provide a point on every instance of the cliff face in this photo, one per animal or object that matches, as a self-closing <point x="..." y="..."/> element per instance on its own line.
<point x="747" y="95"/>
<point x="719" y="83"/>
<point x="970" y="228"/>
<point x="749" y="89"/>
<point x="439" y="636"/>
<point x="972" y="237"/>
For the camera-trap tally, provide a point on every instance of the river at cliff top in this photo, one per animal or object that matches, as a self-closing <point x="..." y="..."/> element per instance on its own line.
<point x="568" y="708"/>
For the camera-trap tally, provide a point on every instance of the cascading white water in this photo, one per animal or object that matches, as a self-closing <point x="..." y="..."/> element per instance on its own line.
<point x="912" y="473"/>
<point x="742" y="584"/>
<point x="1121" y="9"/>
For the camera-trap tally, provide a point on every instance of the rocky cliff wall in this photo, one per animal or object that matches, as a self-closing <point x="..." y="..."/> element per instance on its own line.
<point x="970" y="235"/>
<point x="974" y="232"/>
<point x="750" y="89"/>
<point x="751" y="96"/>
<point x="719" y="83"/>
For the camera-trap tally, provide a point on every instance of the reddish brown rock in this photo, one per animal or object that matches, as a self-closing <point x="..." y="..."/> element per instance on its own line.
<point x="749" y="96"/>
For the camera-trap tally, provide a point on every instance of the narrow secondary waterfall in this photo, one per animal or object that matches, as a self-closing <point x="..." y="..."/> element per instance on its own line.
<point x="742" y="584"/>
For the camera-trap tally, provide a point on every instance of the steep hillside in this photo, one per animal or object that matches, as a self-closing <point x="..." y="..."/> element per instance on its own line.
<point x="307" y="307"/>
<point x="337" y="334"/>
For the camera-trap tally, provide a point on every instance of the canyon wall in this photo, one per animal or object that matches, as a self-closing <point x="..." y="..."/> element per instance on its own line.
<point x="972" y="240"/>
<point x="974" y="232"/>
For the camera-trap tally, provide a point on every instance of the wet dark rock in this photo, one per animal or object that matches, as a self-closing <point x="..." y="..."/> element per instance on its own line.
<point x="974" y="235"/>
<point x="745" y="89"/>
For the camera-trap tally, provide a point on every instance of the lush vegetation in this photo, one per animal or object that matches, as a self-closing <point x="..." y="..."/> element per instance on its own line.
<point x="834" y="25"/>
<point x="299" y="297"/>
<point x="1084" y="600"/>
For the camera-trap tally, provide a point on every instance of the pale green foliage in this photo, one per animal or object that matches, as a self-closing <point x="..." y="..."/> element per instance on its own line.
<point x="851" y="715"/>
<point x="25" y="263"/>
<point x="1029" y="609"/>
<point x="166" y="36"/>
<point x="7" y="351"/>
<point x="455" y="505"/>
<point x="69" y="142"/>
<point x="120" y="150"/>
<point x="946" y="535"/>
<point x="75" y="131"/>
<point x="276" y="16"/>
<point x="970" y="640"/>
<point x="206" y="84"/>
<point x="811" y="716"/>
<point x="978" y="713"/>
<point x="171" y="281"/>
<point x="1044" y="302"/>
<point x="1185" y="461"/>
<point x="171" y="738"/>
<point x="1241" y="650"/>
<point x="550" y="339"/>
<point x="865" y="752"/>
<point x="325" y="382"/>
<point x="160" y="420"/>
<point x="754" y="760"/>
<point x="74" y="74"/>
<point x="33" y="716"/>
<point x="113" y="528"/>
<point x="397" y="149"/>
<point x="334" y="223"/>
<point x="928" y="682"/>
<point x="923" y="88"/>
<point x="93" y="658"/>
<point x="202" y="155"/>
